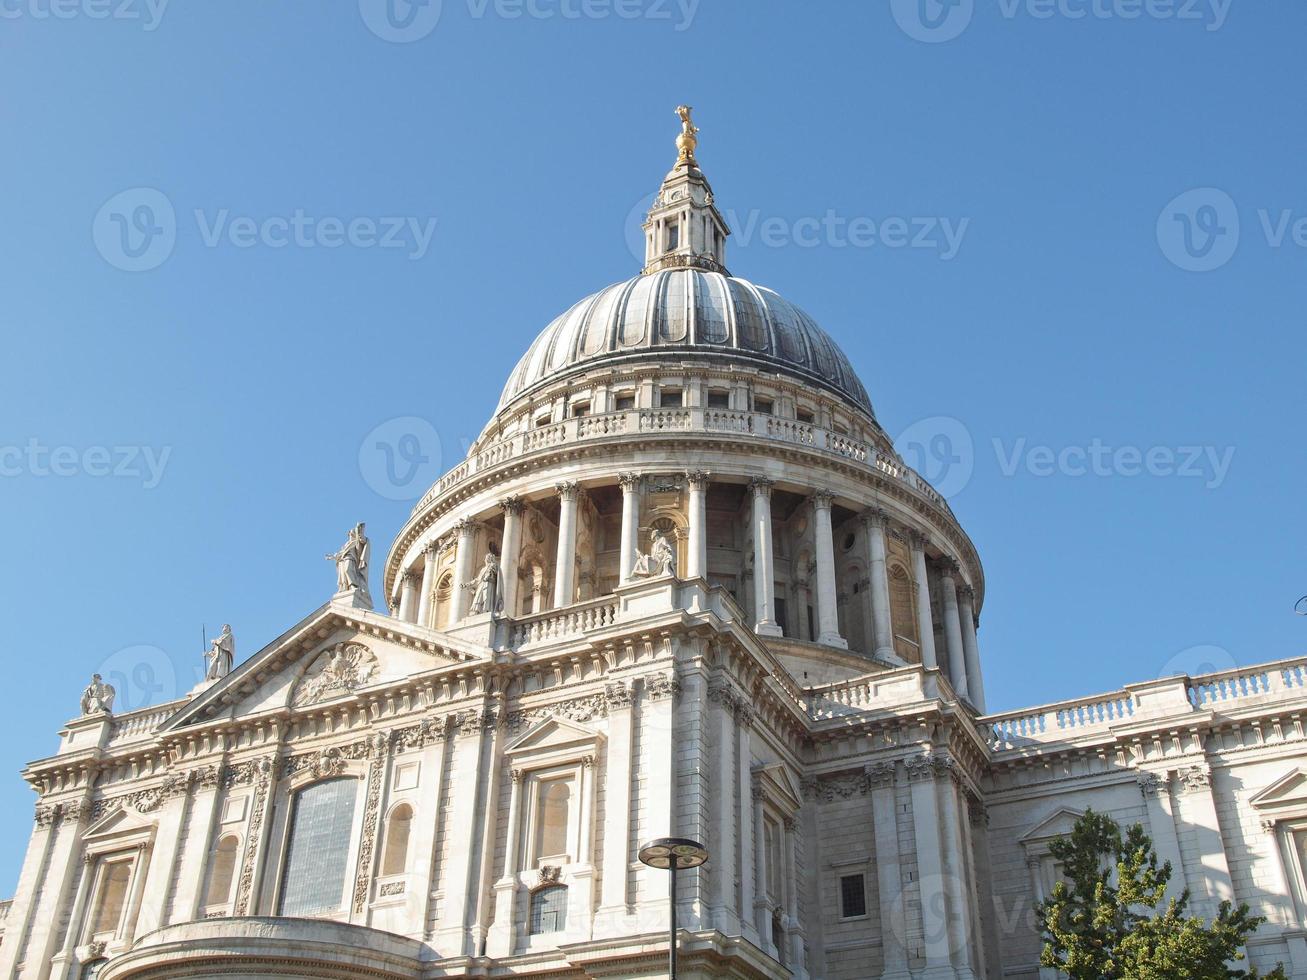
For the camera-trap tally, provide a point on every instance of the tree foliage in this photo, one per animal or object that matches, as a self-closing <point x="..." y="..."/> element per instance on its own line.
<point x="1107" y="920"/>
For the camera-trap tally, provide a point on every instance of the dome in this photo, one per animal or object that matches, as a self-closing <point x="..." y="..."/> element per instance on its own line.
<point x="687" y="313"/>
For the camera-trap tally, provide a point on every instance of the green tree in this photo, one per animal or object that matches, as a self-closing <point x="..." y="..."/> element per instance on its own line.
<point x="1107" y="924"/>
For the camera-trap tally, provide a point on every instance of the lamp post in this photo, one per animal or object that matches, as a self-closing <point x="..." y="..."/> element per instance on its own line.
<point x="673" y="854"/>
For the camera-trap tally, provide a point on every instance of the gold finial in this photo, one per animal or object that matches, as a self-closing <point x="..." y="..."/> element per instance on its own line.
<point x="687" y="141"/>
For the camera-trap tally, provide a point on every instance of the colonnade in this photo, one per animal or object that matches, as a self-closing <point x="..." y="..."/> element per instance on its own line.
<point x="961" y="657"/>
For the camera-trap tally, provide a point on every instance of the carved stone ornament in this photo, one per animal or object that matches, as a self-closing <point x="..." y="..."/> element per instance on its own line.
<point x="880" y="774"/>
<point x="95" y="950"/>
<point x="550" y="874"/>
<point x="337" y="671"/>
<point x="1150" y="783"/>
<point x="391" y="888"/>
<point x="617" y="695"/>
<point x="659" y="687"/>
<point x="1195" y="779"/>
<point x="843" y="787"/>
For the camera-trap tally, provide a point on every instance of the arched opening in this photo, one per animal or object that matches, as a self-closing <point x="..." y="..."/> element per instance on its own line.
<point x="443" y="614"/>
<point x="903" y="614"/>
<point x="549" y="909"/>
<point x="222" y="871"/>
<point x="394" y="860"/>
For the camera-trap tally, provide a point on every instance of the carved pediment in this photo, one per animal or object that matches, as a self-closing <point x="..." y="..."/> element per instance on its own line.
<point x="121" y="825"/>
<point x="336" y="672"/>
<point x="779" y="786"/>
<point x="1285" y="797"/>
<point x="554" y="738"/>
<point x="1059" y="823"/>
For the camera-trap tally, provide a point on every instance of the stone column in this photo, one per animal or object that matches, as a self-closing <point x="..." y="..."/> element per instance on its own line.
<point x="828" y="621"/>
<point x="801" y="586"/>
<point x="427" y="596"/>
<point x="460" y="874"/>
<point x="512" y="548"/>
<point x="882" y="628"/>
<point x="464" y="565"/>
<point x="408" y="597"/>
<point x="925" y="624"/>
<point x="889" y="874"/>
<point x="630" y="483"/>
<point x="1214" y="886"/>
<point x="202" y="823"/>
<point x="725" y="702"/>
<point x="617" y="810"/>
<point x="956" y="874"/>
<point x="565" y="564"/>
<point x="764" y="569"/>
<point x="970" y="649"/>
<point x="1156" y="788"/>
<point x="930" y="868"/>
<point x="761" y="900"/>
<point x="957" y="663"/>
<point x="749" y="872"/>
<point x="697" y="550"/>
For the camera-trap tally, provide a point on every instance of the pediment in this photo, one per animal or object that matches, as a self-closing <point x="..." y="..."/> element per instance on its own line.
<point x="119" y="824"/>
<point x="1059" y="823"/>
<point x="554" y="736"/>
<point x="1289" y="791"/>
<point x="334" y="654"/>
<point x="781" y="785"/>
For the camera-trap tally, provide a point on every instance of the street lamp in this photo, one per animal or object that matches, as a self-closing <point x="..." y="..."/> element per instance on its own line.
<point x="673" y="854"/>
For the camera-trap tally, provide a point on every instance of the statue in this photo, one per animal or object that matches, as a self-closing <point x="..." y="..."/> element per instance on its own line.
<point x="661" y="559"/>
<point x="98" y="697"/>
<point x="220" y="656"/>
<point x="487" y="594"/>
<point x="352" y="562"/>
<point x="688" y="140"/>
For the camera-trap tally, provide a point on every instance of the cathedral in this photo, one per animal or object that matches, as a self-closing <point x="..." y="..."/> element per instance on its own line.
<point x="681" y="586"/>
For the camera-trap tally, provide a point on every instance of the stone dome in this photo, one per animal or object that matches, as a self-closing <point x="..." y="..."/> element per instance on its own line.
<point x="687" y="313"/>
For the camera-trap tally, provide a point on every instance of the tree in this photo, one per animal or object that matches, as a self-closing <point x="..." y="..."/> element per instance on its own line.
<point x="1105" y="924"/>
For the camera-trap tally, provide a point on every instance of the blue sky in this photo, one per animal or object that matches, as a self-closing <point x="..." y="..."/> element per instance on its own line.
<point x="1076" y="363"/>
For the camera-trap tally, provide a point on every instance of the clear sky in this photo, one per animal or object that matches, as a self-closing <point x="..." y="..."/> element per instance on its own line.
<point x="1066" y="328"/>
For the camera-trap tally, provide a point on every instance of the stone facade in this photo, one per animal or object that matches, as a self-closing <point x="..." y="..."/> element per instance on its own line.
<point x="721" y="607"/>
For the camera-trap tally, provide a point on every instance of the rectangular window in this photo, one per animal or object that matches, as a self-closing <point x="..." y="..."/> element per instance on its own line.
<point x="113" y="898"/>
<point x="763" y="405"/>
<point x="853" y="896"/>
<point x="670" y="398"/>
<point x="579" y="409"/>
<point x="625" y="402"/>
<point x="553" y="810"/>
<point x="781" y="617"/>
<point x="719" y="399"/>
<point x="673" y="237"/>
<point x="321" y="823"/>
<point x="805" y="416"/>
<point x="541" y="421"/>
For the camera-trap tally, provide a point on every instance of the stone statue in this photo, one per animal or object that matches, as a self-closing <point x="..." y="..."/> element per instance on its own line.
<point x="661" y="559"/>
<point x="488" y="593"/>
<point x="98" y="697"/>
<point x="220" y="656"/>
<point x="352" y="562"/>
<point x="688" y="140"/>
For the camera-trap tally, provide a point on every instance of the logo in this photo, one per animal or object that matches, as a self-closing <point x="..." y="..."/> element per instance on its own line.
<point x="1199" y="230"/>
<point x="400" y="21"/>
<point x="941" y="450"/>
<point x="933" y="21"/>
<point x="140" y="675"/>
<point x="136" y="229"/>
<point x="400" y="458"/>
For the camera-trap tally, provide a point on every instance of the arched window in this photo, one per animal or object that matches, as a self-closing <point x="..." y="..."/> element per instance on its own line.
<point x="321" y="822"/>
<point x="222" y="869"/>
<point x="903" y="615"/>
<point x="444" y="605"/>
<point x="549" y="909"/>
<point x="395" y="859"/>
<point x="92" y="969"/>
<point x="552" y="816"/>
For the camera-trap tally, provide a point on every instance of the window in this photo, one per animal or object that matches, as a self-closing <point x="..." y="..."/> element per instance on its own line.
<point x="853" y="896"/>
<point x="805" y="416"/>
<point x="673" y="237"/>
<point x="580" y="409"/>
<point x="719" y="399"/>
<point x="549" y="909"/>
<point x="763" y="405"/>
<point x="670" y="398"/>
<point x="542" y="420"/>
<point x="322" y="820"/>
<point x="903" y="614"/>
<point x="771" y="835"/>
<point x="221" y="871"/>
<point x="781" y="619"/>
<point x="625" y="402"/>
<point x="92" y="970"/>
<point x="553" y="800"/>
<point x="113" y="898"/>
<point x="395" y="859"/>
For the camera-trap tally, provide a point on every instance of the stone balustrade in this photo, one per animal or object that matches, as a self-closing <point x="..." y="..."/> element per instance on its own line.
<point x="140" y="723"/>
<point x="569" y="621"/>
<point x="708" y="420"/>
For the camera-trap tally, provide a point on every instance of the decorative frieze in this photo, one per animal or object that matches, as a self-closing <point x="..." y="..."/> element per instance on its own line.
<point x="660" y="687"/>
<point x="380" y="744"/>
<point x="337" y="671"/>
<point x="845" y="786"/>
<point x="1195" y="779"/>
<point x="880" y="774"/>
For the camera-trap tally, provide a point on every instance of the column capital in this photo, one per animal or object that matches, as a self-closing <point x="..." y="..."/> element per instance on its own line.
<point x="568" y="489"/>
<point x="822" y="499"/>
<point x="512" y="505"/>
<point x="1150" y="783"/>
<point x="1195" y="779"/>
<point x="431" y="548"/>
<point x="948" y="566"/>
<point x="630" y="482"/>
<point x="880" y="774"/>
<point x="761" y="486"/>
<point x="874" y="517"/>
<point x="411" y="577"/>
<point x="697" y="479"/>
<point x="918" y="540"/>
<point x="466" y="527"/>
<point x="966" y="594"/>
